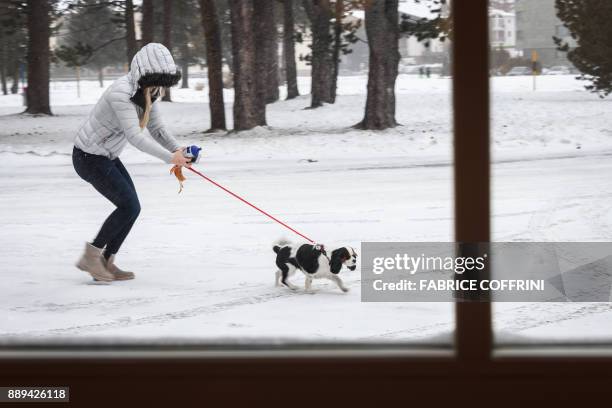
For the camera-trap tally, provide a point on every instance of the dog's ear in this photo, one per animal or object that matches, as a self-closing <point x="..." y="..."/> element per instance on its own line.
<point x="335" y="263"/>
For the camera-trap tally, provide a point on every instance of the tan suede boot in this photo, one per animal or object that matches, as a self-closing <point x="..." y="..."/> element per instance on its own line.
<point x="118" y="273"/>
<point x="90" y="262"/>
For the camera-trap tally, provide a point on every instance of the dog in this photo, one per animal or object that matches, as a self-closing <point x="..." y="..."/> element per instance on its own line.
<point x="314" y="262"/>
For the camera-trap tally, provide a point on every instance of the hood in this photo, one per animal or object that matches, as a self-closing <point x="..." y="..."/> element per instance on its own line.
<point x="153" y="66"/>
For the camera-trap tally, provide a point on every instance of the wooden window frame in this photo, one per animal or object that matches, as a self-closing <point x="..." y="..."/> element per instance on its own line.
<point x="473" y="373"/>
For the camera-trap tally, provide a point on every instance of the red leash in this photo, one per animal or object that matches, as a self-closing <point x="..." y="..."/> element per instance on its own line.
<point x="248" y="203"/>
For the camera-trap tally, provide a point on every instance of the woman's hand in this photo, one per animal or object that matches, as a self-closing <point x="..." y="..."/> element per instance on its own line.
<point x="180" y="160"/>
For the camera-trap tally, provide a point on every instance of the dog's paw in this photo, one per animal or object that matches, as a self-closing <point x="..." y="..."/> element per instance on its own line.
<point x="345" y="290"/>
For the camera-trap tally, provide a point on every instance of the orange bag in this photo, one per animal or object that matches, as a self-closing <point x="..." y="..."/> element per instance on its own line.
<point x="178" y="173"/>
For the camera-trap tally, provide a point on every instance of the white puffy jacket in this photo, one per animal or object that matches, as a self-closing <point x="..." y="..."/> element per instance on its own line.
<point x="113" y="122"/>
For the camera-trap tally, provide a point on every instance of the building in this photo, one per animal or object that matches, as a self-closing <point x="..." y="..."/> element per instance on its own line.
<point x="412" y="51"/>
<point x="422" y="52"/>
<point x="504" y="5"/>
<point x="536" y="25"/>
<point x="502" y="29"/>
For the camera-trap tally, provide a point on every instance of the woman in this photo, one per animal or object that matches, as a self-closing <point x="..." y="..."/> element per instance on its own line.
<point x="119" y="117"/>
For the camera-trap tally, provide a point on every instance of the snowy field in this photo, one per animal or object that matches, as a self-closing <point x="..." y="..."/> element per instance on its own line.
<point x="204" y="264"/>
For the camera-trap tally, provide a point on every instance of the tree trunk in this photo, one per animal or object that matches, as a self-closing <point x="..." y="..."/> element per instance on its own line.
<point x="338" y="14"/>
<point x="15" y="86"/>
<point x="185" y="74"/>
<point x="167" y="38"/>
<point x="289" y="50"/>
<point x="3" y="80"/>
<point x="261" y="64"/>
<point x="38" y="57"/>
<point x="77" y="71"/>
<point x="146" y="25"/>
<point x="185" y="65"/>
<point x="266" y="44"/>
<point x="282" y="75"/>
<point x="271" y="50"/>
<point x="381" y="21"/>
<point x="3" y="64"/>
<point x="246" y="114"/>
<point x="322" y="61"/>
<point x="101" y="76"/>
<point x="130" y="31"/>
<point x="214" y="63"/>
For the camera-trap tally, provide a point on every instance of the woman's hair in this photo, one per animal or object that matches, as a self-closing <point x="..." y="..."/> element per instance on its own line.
<point x="157" y="91"/>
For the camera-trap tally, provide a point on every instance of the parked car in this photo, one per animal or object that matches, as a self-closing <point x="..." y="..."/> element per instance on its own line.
<point x="559" y="70"/>
<point x="518" y="71"/>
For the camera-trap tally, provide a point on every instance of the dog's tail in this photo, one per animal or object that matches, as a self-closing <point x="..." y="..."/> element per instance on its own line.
<point x="279" y="244"/>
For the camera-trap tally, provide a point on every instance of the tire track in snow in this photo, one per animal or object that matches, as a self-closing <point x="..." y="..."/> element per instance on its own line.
<point x="540" y="314"/>
<point x="513" y="321"/>
<point x="161" y="318"/>
<point x="413" y="333"/>
<point x="121" y="302"/>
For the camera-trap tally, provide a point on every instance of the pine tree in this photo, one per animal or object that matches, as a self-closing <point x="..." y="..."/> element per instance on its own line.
<point x="167" y="37"/>
<point x="3" y="65"/>
<point x="589" y="25"/>
<point x="214" y="62"/>
<point x="382" y="29"/>
<point x="289" y="49"/>
<point x="440" y="27"/>
<point x="321" y="59"/>
<point x="425" y="29"/>
<point x="266" y="49"/>
<point x="13" y="42"/>
<point x="92" y="39"/>
<point x="130" y="30"/>
<point x="178" y="25"/>
<point x="39" y="32"/>
<point x="247" y="106"/>
<point x="345" y="29"/>
<point x="331" y="37"/>
<point x="147" y="26"/>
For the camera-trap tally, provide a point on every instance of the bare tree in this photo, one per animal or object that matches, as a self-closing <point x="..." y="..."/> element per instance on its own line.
<point x="39" y="32"/>
<point x="320" y="14"/>
<point x="381" y="21"/>
<point x="246" y="110"/>
<point x="214" y="62"/>
<point x="147" y="23"/>
<point x="130" y="31"/>
<point x="289" y="49"/>
<point x="168" y="38"/>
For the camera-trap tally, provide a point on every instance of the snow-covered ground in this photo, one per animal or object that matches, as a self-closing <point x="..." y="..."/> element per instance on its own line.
<point x="204" y="264"/>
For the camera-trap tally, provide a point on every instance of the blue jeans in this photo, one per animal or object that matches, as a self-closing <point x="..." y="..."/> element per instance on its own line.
<point x="111" y="180"/>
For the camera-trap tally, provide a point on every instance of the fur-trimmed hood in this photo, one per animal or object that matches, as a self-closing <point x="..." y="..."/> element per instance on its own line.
<point x="114" y="121"/>
<point x="153" y="65"/>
